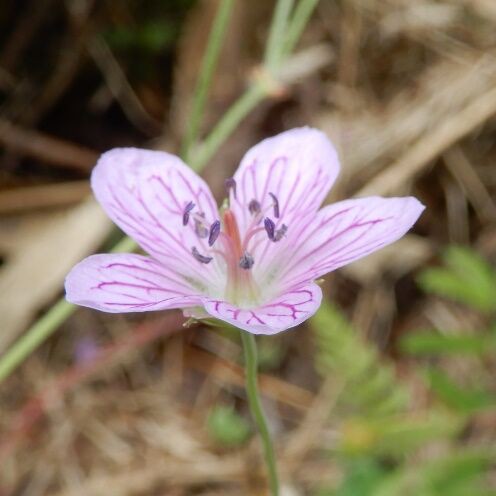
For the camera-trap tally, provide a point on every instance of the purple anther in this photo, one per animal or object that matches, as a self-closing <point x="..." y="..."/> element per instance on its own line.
<point x="200" y="229"/>
<point x="254" y="207"/>
<point x="270" y="227"/>
<point x="187" y="209"/>
<point x="246" y="261"/>
<point x="275" y="204"/>
<point x="214" y="232"/>
<point x="230" y="184"/>
<point x="278" y="235"/>
<point x="201" y="258"/>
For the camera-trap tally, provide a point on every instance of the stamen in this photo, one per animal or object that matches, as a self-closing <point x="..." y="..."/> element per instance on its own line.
<point x="230" y="184"/>
<point x="214" y="232"/>
<point x="201" y="258"/>
<point x="275" y="204"/>
<point x="273" y="234"/>
<point x="280" y="233"/>
<point x="200" y="229"/>
<point x="187" y="209"/>
<point x="270" y="228"/>
<point x="246" y="261"/>
<point x="254" y="207"/>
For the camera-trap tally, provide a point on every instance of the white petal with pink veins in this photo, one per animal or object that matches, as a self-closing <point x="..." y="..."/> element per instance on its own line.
<point x="342" y="233"/>
<point x="298" y="167"/>
<point x="128" y="283"/>
<point x="145" y="193"/>
<point x="285" y="311"/>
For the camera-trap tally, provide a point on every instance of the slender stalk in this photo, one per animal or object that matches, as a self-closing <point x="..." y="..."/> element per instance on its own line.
<point x="275" y="44"/>
<point x="251" y="365"/>
<point x="46" y="325"/>
<point x="40" y="331"/>
<point x="209" y="63"/>
<point x="297" y="24"/>
<point x="224" y="128"/>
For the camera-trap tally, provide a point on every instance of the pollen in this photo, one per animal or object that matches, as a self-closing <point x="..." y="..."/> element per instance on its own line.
<point x="230" y="185"/>
<point x="270" y="227"/>
<point x="246" y="261"/>
<point x="201" y="258"/>
<point x="214" y="233"/>
<point x="275" y="204"/>
<point x="254" y="207"/>
<point x="187" y="210"/>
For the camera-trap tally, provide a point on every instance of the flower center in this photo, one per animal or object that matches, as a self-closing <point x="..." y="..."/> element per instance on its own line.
<point x="241" y="288"/>
<point x="234" y="249"/>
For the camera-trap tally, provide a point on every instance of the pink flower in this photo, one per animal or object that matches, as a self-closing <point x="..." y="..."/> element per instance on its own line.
<point x="252" y="263"/>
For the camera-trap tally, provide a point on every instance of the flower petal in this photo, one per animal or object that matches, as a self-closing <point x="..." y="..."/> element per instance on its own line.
<point x="287" y="310"/>
<point x="340" y="234"/>
<point x="127" y="283"/>
<point x="298" y="167"/>
<point x="146" y="193"/>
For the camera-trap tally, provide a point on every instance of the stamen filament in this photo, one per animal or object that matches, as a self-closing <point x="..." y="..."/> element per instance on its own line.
<point x="250" y="235"/>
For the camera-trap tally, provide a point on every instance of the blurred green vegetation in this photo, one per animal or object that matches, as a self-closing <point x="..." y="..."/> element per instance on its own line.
<point x="144" y="35"/>
<point x="387" y="446"/>
<point x="465" y="277"/>
<point x="226" y="427"/>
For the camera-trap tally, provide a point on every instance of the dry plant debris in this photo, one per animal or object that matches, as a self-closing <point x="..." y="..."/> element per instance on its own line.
<point x="407" y="93"/>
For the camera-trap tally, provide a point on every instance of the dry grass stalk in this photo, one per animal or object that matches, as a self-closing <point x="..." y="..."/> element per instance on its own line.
<point x="40" y="260"/>
<point x="44" y="196"/>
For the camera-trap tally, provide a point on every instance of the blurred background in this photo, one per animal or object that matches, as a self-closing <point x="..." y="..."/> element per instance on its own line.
<point x="389" y="390"/>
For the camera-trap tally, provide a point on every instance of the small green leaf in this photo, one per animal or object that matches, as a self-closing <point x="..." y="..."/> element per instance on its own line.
<point x="362" y="477"/>
<point x="396" y="435"/>
<point x="430" y="342"/>
<point x="157" y="35"/>
<point x="270" y="352"/>
<point x="457" y="471"/>
<point x="226" y="427"/>
<point x="461" y="399"/>
<point x="459" y="474"/>
<point x="466" y="278"/>
<point x="370" y="383"/>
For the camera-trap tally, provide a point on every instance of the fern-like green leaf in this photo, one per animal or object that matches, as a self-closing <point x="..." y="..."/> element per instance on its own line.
<point x="466" y="278"/>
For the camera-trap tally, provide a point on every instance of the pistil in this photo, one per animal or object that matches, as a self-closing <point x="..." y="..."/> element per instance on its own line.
<point x="235" y="250"/>
<point x="241" y="288"/>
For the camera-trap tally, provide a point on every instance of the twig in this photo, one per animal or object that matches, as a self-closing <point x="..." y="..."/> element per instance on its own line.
<point x="46" y="148"/>
<point x="205" y="78"/>
<point x="120" y="87"/>
<point x="306" y="435"/>
<point x="24" y="31"/>
<point x="275" y="47"/>
<point x="432" y="145"/>
<point x="35" y="408"/>
<point x="232" y="374"/>
<point x="471" y="184"/>
<point x="302" y="13"/>
<point x="44" y="196"/>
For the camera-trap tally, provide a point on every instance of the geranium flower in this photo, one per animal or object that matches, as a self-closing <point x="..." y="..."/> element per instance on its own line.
<point x="254" y="262"/>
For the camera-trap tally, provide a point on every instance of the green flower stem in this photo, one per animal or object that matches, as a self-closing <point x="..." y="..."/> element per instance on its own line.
<point x="251" y="365"/>
<point x="44" y="327"/>
<point x="231" y="119"/>
<point x="295" y="28"/>
<point x="40" y="331"/>
<point x="275" y="44"/>
<point x="209" y="63"/>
